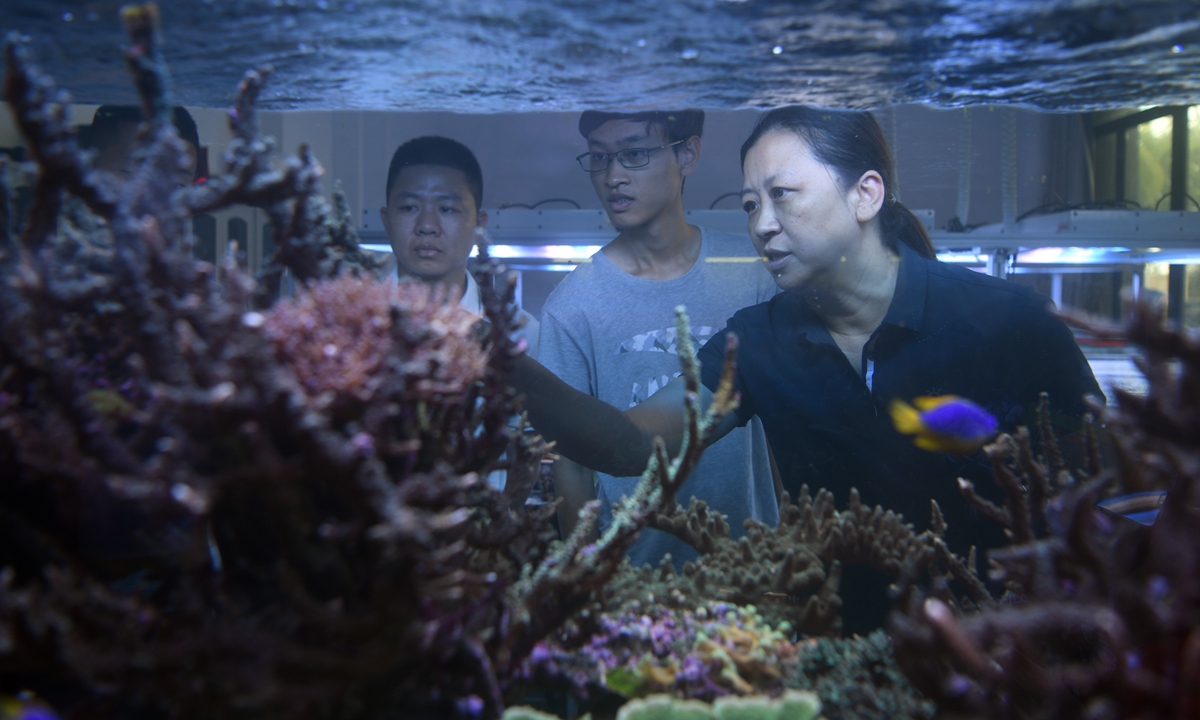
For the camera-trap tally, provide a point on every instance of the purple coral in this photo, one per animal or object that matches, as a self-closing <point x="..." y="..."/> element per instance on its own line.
<point x="719" y="651"/>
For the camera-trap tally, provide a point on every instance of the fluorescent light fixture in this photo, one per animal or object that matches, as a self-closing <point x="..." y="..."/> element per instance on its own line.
<point x="962" y="258"/>
<point x="1068" y="255"/>
<point x="542" y="268"/>
<point x="563" y="253"/>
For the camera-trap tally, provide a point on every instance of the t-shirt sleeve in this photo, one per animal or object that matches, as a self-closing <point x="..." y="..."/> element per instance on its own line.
<point x="712" y="362"/>
<point x="757" y="276"/>
<point x="563" y="354"/>
<point x="530" y="332"/>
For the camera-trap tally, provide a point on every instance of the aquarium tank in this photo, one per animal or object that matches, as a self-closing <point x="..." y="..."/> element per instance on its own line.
<point x="373" y="359"/>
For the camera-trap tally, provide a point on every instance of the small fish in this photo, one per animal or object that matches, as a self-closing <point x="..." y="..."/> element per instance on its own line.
<point x="1139" y="507"/>
<point x="945" y="424"/>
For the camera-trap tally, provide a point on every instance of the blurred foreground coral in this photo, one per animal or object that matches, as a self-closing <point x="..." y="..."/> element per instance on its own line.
<point x="217" y="506"/>
<point x="1101" y="614"/>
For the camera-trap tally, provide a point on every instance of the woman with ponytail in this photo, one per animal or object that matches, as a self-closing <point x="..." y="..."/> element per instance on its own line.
<point x="868" y="317"/>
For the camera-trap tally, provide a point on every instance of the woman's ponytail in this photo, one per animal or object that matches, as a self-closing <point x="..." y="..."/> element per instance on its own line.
<point x="899" y="222"/>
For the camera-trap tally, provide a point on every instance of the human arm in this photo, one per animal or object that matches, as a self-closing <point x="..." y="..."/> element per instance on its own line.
<point x="587" y="430"/>
<point x="597" y="435"/>
<point x="576" y="485"/>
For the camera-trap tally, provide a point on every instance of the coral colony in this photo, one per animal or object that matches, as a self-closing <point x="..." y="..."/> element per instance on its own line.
<point x="216" y="505"/>
<point x="1103" y="612"/>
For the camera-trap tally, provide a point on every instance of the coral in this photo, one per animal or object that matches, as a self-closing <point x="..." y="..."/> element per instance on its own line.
<point x="857" y="678"/>
<point x="211" y="507"/>
<point x="349" y="338"/>
<point x="522" y="712"/>
<point x="1101" y="613"/>
<point x="785" y="578"/>
<point x="713" y="650"/>
<point x="793" y="705"/>
<point x="791" y="572"/>
<point x="568" y="580"/>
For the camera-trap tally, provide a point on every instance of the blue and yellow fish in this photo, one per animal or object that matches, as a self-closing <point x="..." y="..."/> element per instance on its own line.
<point x="25" y="707"/>
<point x="946" y="424"/>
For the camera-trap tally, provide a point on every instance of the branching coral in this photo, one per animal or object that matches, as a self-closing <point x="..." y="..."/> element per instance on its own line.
<point x="790" y="572"/>
<point x="214" y="508"/>
<point x="1102" y="613"/>
<point x="640" y="634"/>
<point x="568" y="580"/>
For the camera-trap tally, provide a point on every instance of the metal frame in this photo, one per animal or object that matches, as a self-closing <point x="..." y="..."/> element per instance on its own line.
<point x="1176" y="279"/>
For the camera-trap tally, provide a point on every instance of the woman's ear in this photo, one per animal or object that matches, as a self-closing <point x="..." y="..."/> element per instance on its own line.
<point x="868" y="196"/>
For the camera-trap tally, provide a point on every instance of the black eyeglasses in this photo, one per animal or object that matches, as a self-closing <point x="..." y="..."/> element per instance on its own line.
<point x="597" y="162"/>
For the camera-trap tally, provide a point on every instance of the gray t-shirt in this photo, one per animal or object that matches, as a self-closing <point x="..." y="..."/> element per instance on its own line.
<point x="612" y="335"/>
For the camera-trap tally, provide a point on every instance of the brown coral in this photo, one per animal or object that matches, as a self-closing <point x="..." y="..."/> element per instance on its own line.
<point x="208" y="512"/>
<point x="1101" y="612"/>
<point x="791" y="572"/>
<point x="188" y="527"/>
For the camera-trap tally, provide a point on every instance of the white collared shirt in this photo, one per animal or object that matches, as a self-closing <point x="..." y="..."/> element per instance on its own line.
<point x="472" y="302"/>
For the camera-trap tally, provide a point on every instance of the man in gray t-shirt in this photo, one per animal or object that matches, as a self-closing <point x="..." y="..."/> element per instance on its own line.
<point x="608" y="329"/>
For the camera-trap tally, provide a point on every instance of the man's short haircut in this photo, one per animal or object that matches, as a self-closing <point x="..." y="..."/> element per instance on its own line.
<point x="441" y="152"/>
<point x="109" y="119"/>
<point x="676" y="124"/>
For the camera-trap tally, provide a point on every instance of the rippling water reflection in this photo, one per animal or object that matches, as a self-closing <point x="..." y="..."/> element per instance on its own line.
<point x="517" y="55"/>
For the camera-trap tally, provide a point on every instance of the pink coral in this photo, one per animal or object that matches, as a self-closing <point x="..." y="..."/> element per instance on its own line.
<point x="338" y="336"/>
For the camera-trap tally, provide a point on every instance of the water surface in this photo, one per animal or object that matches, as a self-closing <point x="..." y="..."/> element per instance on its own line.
<point x="522" y="55"/>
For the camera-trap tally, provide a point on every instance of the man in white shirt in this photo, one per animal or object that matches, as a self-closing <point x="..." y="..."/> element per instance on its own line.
<point x="433" y="220"/>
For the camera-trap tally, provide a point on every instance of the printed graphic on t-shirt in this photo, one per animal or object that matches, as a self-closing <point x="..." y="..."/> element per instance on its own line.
<point x="664" y="341"/>
<point x="640" y="393"/>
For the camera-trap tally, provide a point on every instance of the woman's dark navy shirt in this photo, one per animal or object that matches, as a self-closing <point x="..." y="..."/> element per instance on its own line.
<point x="949" y="330"/>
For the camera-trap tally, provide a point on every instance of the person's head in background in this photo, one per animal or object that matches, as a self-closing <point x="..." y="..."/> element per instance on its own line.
<point x="113" y="135"/>
<point x="638" y="162"/>
<point x="432" y="215"/>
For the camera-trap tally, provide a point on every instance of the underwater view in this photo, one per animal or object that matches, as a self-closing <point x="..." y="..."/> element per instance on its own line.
<point x="711" y="359"/>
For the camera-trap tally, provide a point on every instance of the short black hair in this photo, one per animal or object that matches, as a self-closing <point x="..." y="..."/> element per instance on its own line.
<point x="676" y="124"/>
<point x="442" y="152"/>
<point x="107" y="122"/>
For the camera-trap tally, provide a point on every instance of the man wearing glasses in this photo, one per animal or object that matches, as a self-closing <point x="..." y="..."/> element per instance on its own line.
<point x="608" y="329"/>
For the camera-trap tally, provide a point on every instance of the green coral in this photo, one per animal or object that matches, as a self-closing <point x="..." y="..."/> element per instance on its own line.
<point x="858" y="679"/>
<point x="665" y="707"/>
<point x="528" y="713"/>
<point x="794" y="705"/>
